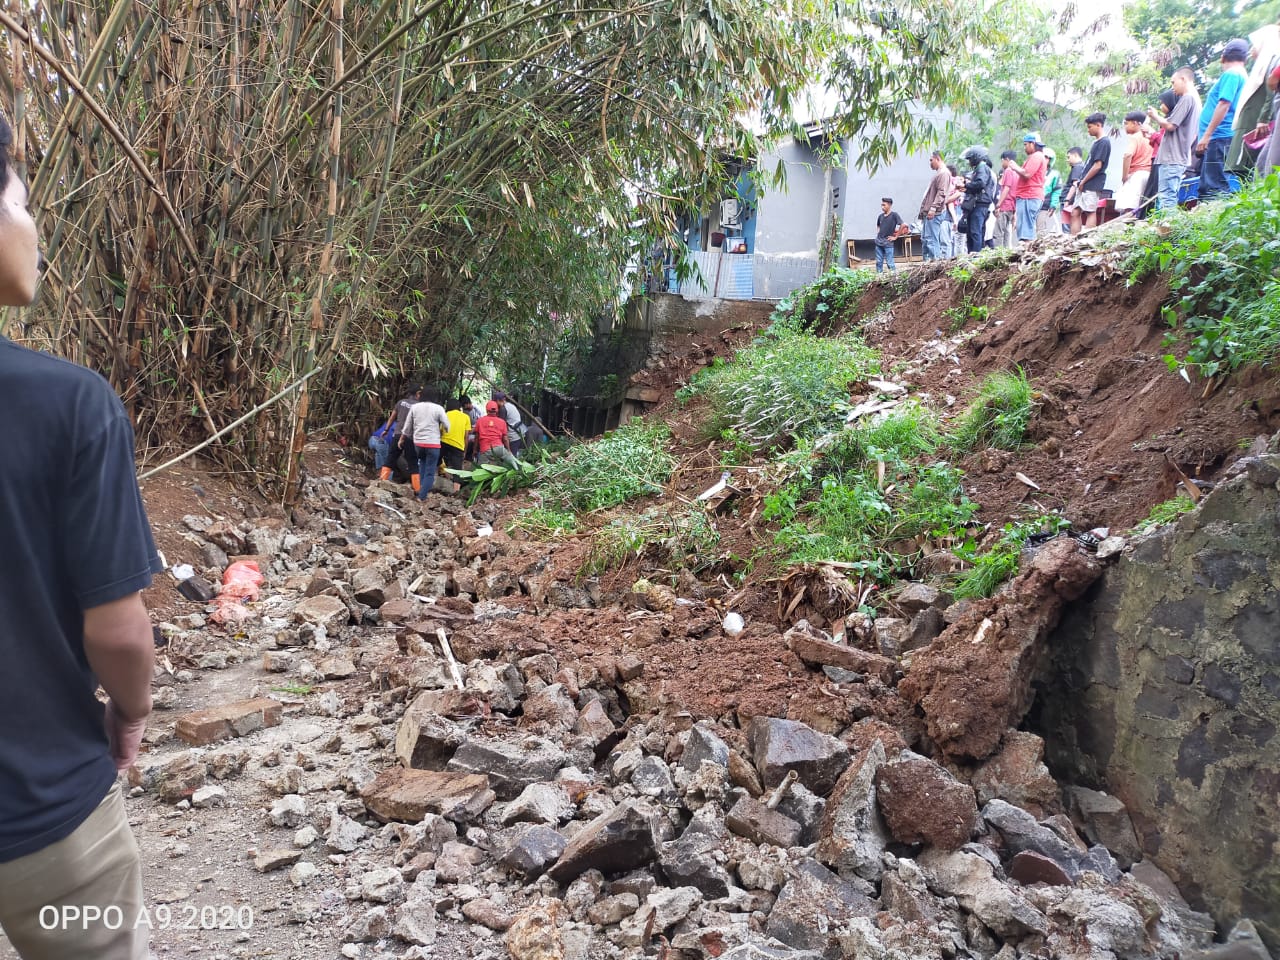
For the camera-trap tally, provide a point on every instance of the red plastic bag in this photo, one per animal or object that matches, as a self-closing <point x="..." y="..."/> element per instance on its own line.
<point x="240" y="582"/>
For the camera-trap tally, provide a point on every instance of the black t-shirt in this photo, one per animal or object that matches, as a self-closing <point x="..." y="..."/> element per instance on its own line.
<point x="1077" y="171"/>
<point x="887" y="223"/>
<point x="1100" y="152"/>
<point x="75" y="536"/>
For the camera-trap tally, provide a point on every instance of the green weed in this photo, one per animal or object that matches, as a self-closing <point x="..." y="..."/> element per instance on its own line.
<point x="1221" y="260"/>
<point x="999" y="562"/>
<point x="1165" y="513"/>
<point x="543" y="523"/>
<point x="783" y="388"/>
<point x="999" y="415"/>
<point x="685" y="539"/>
<point x="295" y="689"/>
<point x="630" y="462"/>
<point x="823" y="304"/>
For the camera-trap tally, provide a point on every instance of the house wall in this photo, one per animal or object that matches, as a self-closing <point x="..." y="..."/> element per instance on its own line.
<point x="787" y="218"/>
<point x="905" y="180"/>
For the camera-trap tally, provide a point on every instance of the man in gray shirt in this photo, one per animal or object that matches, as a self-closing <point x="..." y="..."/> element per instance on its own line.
<point x="1180" y="128"/>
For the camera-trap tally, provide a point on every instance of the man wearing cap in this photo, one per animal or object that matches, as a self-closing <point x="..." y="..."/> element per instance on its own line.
<point x="491" y="437"/>
<point x="1028" y="191"/>
<point x="1216" y="118"/>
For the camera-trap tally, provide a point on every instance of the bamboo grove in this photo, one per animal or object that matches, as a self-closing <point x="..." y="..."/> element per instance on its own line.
<point x="236" y="194"/>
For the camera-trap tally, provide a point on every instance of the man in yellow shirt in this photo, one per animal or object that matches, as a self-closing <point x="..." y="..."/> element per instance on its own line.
<point x="454" y="442"/>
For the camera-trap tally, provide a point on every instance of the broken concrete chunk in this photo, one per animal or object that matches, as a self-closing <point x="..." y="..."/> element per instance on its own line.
<point x="852" y="835"/>
<point x="409" y="795"/>
<point x="345" y="834"/>
<point x="703" y="744"/>
<point x="754" y="820"/>
<point x="812" y="908"/>
<point x="923" y="803"/>
<point x="1106" y="821"/>
<point x="511" y="765"/>
<point x="1017" y="774"/>
<point x="174" y="780"/>
<point x="615" y="842"/>
<point x="971" y="880"/>
<point x="323" y="611"/>
<point x="227" y="721"/>
<point x="820" y="653"/>
<point x="425" y="740"/>
<point x="594" y="723"/>
<point x="268" y="860"/>
<point x="779" y="746"/>
<point x="533" y="849"/>
<point x="539" y="803"/>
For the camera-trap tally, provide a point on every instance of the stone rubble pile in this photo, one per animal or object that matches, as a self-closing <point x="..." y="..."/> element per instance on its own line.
<point x="530" y="806"/>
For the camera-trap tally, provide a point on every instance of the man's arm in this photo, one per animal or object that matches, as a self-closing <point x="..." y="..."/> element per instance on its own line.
<point x="121" y="652"/>
<point x="1219" y="112"/>
<point x="1126" y="161"/>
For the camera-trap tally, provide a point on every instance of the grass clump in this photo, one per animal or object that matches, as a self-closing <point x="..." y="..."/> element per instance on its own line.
<point x="999" y="415"/>
<point x="782" y="388"/>
<point x="1165" y="513"/>
<point x="875" y="506"/>
<point x="685" y="539"/>
<point x="1221" y="261"/>
<point x="630" y="462"/>
<point x="823" y="304"/>
<point x="999" y="562"/>
<point x="544" y="523"/>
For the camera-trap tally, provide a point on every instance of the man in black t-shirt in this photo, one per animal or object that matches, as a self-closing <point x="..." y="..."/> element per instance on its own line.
<point x="1093" y="183"/>
<point x="78" y="552"/>
<point x="889" y="227"/>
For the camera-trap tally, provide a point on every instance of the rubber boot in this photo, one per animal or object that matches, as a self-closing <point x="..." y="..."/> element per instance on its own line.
<point x="384" y="473"/>
<point x="416" y="481"/>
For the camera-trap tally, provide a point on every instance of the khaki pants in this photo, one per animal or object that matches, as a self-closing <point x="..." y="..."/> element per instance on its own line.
<point x="61" y="903"/>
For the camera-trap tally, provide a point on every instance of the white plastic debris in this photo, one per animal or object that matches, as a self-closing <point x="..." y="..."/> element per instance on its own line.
<point x="733" y="624"/>
<point x="183" y="571"/>
<point x="484" y="531"/>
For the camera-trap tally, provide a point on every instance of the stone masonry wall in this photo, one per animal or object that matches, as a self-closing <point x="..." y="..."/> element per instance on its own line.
<point x="1168" y="696"/>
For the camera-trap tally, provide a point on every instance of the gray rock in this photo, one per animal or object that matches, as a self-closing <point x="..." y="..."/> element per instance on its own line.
<point x="384" y="885"/>
<point x="779" y="746"/>
<point x="1021" y="831"/>
<point x="532" y="850"/>
<point x="539" y="803"/>
<point x="322" y="611"/>
<point x="511" y="764"/>
<point x="805" y="808"/>
<point x="652" y="779"/>
<point x="703" y="744"/>
<point x="345" y="835"/>
<point x="268" y="860"/>
<point x="891" y="635"/>
<point x="920" y="596"/>
<point x="690" y="860"/>
<point x="500" y="685"/>
<point x="373" y="587"/>
<point x="289" y="811"/>
<point x="812" y="908"/>
<point x="374" y="924"/>
<point x="615" y="842"/>
<point x="1106" y="821"/>
<point x="768" y="951"/>
<point x="852" y="836"/>
<point x="613" y="909"/>
<point x="753" y="820"/>
<point x="1110" y="926"/>
<point x="971" y="880"/>
<point x="672" y="904"/>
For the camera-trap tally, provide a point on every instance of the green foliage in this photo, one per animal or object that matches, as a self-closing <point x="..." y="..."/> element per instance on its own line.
<point x="999" y="562"/>
<point x="630" y="462"/>
<point x="682" y="539"/>
<point x="822" y="305"/>
<point x="736" y="450"/>
<point x="957" y="317"/>
<point x="495" y="479"/>
<point x="999" y="415"/>
<point x="875" y="504"/>
<point x="1196" y="30"/>
<point x="785" y="387"/>
<point x="1221" y="260"/>
<point x="543" y="523"/>
<point x="1166" y="512"/>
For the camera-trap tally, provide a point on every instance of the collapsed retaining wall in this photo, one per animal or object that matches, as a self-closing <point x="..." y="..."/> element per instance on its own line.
<point x="1168" y="696"/>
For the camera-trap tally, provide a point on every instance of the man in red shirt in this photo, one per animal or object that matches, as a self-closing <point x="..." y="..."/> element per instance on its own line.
<point x="491" y="437"/>
<point x="1028" y="192"/>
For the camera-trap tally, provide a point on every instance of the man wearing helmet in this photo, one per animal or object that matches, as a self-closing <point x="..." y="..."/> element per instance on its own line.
<point x="979" y="193"/>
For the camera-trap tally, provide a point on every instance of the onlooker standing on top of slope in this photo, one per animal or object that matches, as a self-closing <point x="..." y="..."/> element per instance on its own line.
<point x="1216" y="117"/>
<point x="979" y="195"/>
<point x="1179" y="126"/>
<point x="1136" y="165"/>
<point x="934" y="219"/>
<point x="889" y="227"/>
<point x="1093" y="182"/>
<point x="1006" y="204"/>
<point x="1028" y="190"/>
<point x="453" y="442"/>
<point x="1075" y="160"/>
